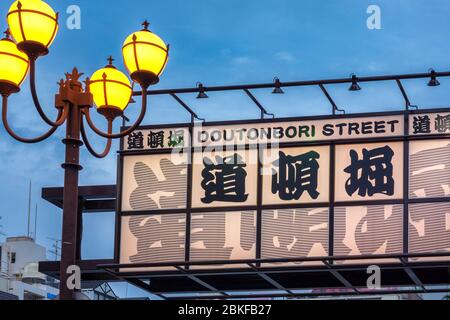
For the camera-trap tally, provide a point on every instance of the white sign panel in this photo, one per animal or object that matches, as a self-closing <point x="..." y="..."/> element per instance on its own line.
<point x="225" y="179"/>
<point x="300" y="131"/>
<point x="266" y="133"/>
<point x="156" y="139"/>
<point x="429" y="124"/>
<point x="296" y="175"/>
<point x="369" y="172"/>
<point x="292" y="189"/>
<point x="152" y="182"/>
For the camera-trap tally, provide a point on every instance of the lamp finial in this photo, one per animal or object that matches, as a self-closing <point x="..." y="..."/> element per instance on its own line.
<point x="146" y="24"/>
<point x="110" y="60"/>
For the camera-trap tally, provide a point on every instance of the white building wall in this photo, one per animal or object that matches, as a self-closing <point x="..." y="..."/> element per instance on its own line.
<point x="3" y="260"/>
<point x="40" y="292"/>
<point x="4" y="285"/>
<point x="26" y="252"/>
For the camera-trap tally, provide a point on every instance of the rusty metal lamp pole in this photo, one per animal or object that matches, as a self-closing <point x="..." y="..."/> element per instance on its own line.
<point x="33" y="26"/>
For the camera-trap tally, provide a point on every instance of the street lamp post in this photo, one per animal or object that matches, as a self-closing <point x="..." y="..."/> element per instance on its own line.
<point x="33" y="26"/>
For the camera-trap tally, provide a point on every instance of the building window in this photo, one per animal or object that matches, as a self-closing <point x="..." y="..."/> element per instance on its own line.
<point x="12" y="257"/>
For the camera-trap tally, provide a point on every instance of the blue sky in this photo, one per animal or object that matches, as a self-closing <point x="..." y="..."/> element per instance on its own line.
<point x="217" y="43"/>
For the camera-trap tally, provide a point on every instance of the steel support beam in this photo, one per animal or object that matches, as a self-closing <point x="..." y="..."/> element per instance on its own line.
<point x="258" y="104"/>
<point x="200" y="282"/>
<point x="297" y="83"/>
<point x="339" y="277"/>
<point x="405" y="95"/>
<point x="330" y="99"/>
<point x="412" y="275"/>
<point x="269" y="279"/>
<point x="187" y="108"/>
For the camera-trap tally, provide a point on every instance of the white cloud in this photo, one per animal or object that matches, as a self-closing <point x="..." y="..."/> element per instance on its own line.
<point x="242" y="60"/>
<point x="285" y="56"/>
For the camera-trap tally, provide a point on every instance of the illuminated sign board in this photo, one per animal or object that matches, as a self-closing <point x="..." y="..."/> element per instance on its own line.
<point x="305" y="187"/>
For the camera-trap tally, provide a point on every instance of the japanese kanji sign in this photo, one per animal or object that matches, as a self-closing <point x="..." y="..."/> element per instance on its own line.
<point x="369" y="171"/>
<point x="297" y="175"/>
<point x="224" y="179"/>
<point x="311" y="187"/>
<point x="266" y="133"/>
<point x="157" y="139"/>
<point x="431" y="123"/>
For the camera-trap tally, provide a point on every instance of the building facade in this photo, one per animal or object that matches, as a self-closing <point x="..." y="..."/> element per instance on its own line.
<point x="19" y="276"/>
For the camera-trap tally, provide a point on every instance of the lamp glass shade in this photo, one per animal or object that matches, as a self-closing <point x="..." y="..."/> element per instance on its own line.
<point x="110" y="88"/>
<point x="34" y="21"/>
<point x="144" y="51"/>
<point x="14" y="64"/>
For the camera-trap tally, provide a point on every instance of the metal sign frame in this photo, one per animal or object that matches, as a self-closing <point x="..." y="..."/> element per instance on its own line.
<point x="259" y="208"/>
<point x="405" y="275"/>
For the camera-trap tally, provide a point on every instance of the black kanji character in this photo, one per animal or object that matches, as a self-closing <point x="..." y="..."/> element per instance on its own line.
<point x="422" y="124"/>
<point x="136" y="140"/>
<point x="224" y="181"/>
<point x="296" y="175"/>
<point x="156" y="139"/>
<point x="442" y="124"/>
<point x="372" y="174"/>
